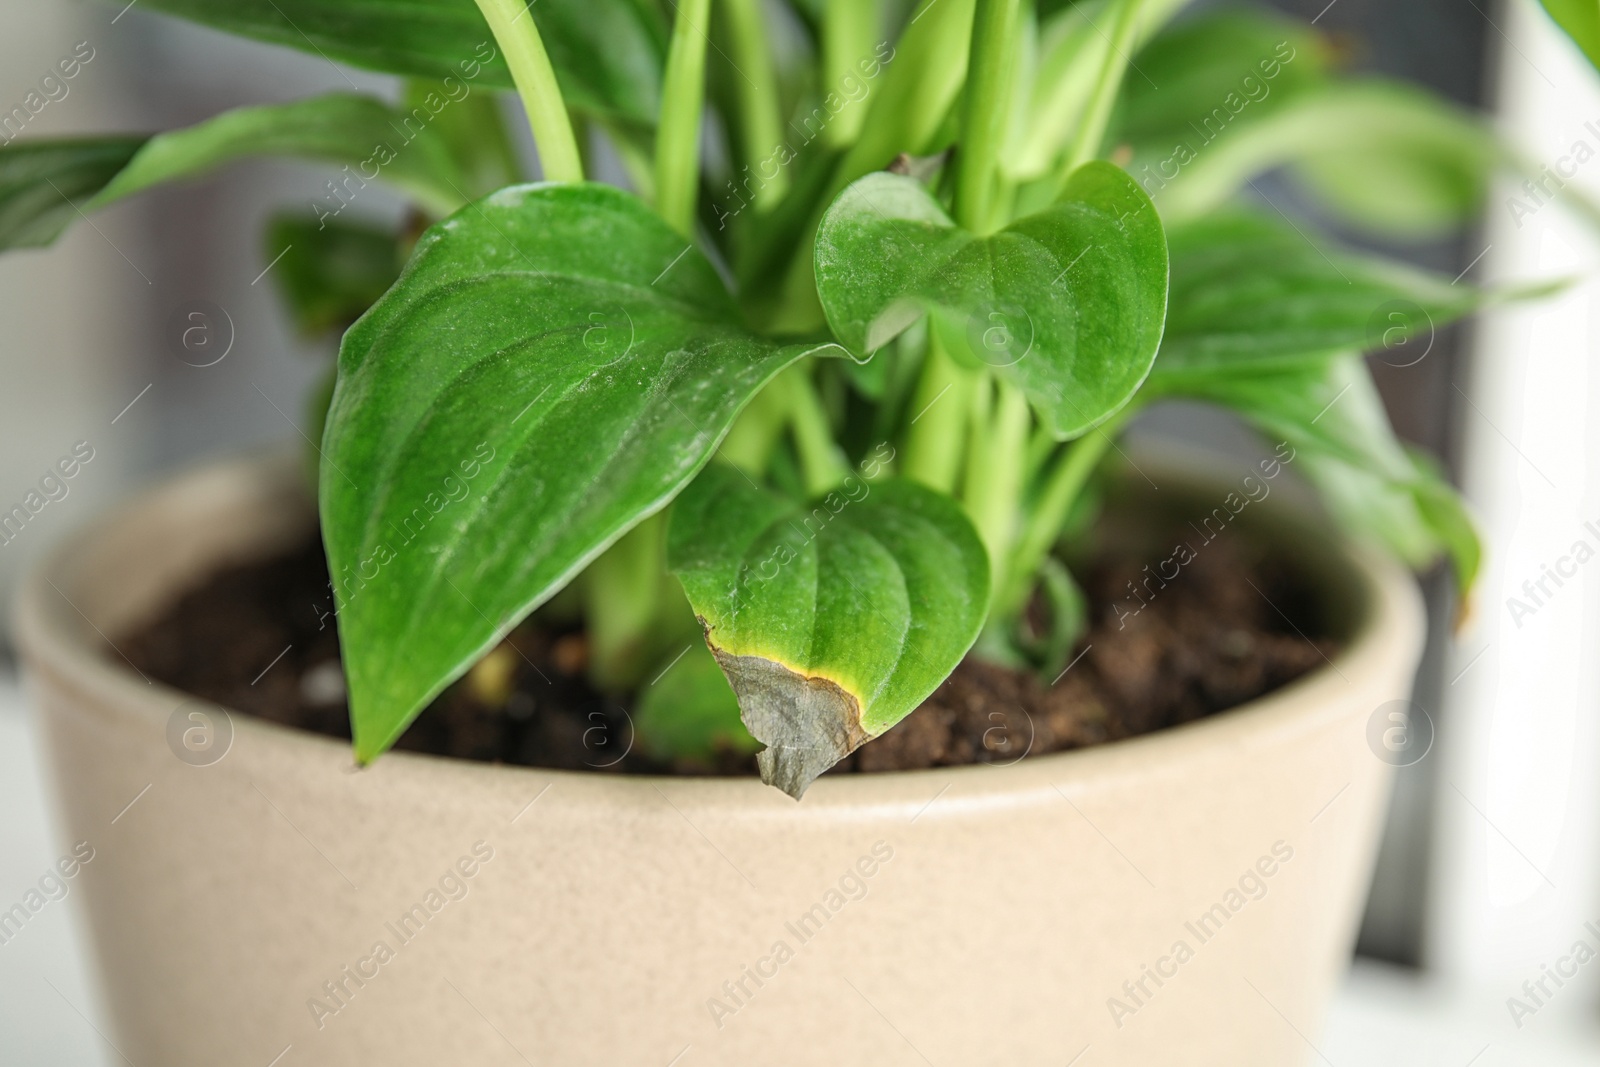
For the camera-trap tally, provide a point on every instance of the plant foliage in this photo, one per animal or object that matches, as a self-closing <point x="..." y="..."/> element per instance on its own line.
<point x="849" y="374"/>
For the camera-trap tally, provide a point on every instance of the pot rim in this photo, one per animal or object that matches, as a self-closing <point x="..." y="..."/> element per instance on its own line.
<point x="56" y="637"/>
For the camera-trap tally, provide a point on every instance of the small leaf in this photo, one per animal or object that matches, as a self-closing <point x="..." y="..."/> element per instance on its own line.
<point x="1067" y="303"/>
<point x="379" y="143"/>
<point x="608" y="54"/>
<point x="1251" y="292"/>
<point x="42" y="181"/>
<point x="554" y="365"/>
<point x="833" y="620"/>
<point x="690" y="712"/>
<point x="330" y="274"/>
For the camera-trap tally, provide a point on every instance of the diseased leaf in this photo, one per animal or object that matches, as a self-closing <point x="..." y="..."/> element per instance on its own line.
<point x="608" y="54"/>
<point x="1067" y="303"/>
<point x="41" y="182"/>
<point x="553" y="366"/>
<point x="832" y="620"/>
<point x="377" y="142"/>
<point x="1252" y="292"/>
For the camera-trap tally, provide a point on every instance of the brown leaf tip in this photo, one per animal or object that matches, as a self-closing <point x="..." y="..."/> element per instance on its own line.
<point x="807" y="723"/>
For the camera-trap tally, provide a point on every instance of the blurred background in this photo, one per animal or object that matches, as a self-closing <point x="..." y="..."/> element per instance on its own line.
<point x="1490" y="865"/>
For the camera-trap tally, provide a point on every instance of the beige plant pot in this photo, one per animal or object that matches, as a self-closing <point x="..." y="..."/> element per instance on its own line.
<point x="274" y="902"/>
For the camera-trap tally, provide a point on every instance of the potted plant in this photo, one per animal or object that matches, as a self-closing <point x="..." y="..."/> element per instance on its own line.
<point x="836" y="385"/>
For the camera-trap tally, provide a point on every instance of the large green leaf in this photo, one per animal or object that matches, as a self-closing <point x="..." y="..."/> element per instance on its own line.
<point x="552" y="367"/>
<point x="44" y="185"/>
<point x="608" y="54"/>
<point x="1251" y="291"/>
<point x="832" y="620"/>
<point x="1067" y="303"/>
<point x="1581" y="20"/>
<point x="42" y="181"/>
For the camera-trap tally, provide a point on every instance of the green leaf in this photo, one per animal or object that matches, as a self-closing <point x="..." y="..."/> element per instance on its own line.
<point x="41" y="182"/>
<point x="377" y="142"/>
<point x="1581" y="21"/>
<point x="1209" y="74"/>
<point x="473" y="130"/>
<point x="690" y="712"/>
<point x="329" y="275"/>
<point x="1389" y="157"/>
<point x="1331" y="416"/>
<point x="608" y="54"/>
<point x="832" y="620"/>
<point x="1067" y="303"/>
<point x="554" y="365"/>
<point x="1251" y="291"/>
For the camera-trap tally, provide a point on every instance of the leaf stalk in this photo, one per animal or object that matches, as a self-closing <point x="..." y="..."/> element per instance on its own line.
<point x="513" y="27"/>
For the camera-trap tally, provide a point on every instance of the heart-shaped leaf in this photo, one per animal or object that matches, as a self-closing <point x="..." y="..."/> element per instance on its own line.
<point x="1067" y="303"/>
<point x="552" y="367"/>
<point x="832" y="620"/>
<point x="1249" y="292"/>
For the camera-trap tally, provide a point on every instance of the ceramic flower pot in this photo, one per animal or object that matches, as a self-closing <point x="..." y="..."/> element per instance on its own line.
<point x="1189" y="896"/>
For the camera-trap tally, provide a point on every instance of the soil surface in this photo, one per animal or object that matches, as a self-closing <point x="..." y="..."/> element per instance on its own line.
<point x="261" y="638"/>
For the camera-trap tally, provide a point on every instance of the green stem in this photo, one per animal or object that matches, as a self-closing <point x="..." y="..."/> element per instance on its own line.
<point x="1091" y="131"/>
<point x="850" y="29"/>
<point x="683" y="97"/>
<point x="938" y="410"/>
<point x="621" y="602"/>
<point x="996" y="463"/>
<point x="907" y="107"/>
<point x="755" y="432"/>
<point x="983" y="119"/>
<point x="821" y="463"/>
<point x="1062" y="486"/>
<point x="518" y="37"/>
<point x="634" y="154"/>
<point x="761" y="112"/>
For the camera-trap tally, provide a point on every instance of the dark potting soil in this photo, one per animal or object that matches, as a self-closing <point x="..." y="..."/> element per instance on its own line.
<point x="260" y="638"/>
